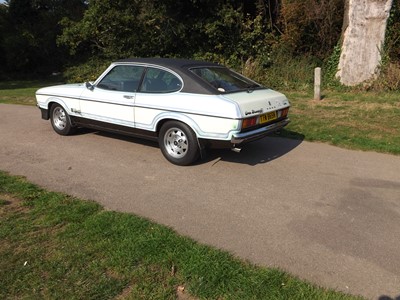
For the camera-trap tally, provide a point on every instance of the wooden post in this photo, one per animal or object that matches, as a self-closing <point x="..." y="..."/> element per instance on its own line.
<point x="317" y="84"/>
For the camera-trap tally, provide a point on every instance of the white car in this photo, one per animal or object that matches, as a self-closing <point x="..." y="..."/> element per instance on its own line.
<point x="186" y="105"/>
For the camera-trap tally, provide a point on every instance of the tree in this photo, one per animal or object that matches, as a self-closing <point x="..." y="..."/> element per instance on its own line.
<point x="363" y="39"/>
<point x="3" y="22"/>
<point x="29" y="29"/>
<point x="207" y="29"/>
<point x="115" y="29"/>
<point x="311" y="27"/>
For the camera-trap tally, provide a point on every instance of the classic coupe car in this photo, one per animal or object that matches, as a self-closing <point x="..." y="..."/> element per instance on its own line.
<point x="185" y="105"/>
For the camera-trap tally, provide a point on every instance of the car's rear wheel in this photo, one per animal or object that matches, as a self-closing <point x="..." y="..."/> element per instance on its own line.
<point x="60" y="120"/>
<point x="178" y="143"/>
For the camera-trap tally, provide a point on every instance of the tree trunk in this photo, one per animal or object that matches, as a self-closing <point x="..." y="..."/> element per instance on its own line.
<point x="363" y="37"/>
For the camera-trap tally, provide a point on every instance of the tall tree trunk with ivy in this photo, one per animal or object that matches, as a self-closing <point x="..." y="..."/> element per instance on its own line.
<point x="363" y="39"/>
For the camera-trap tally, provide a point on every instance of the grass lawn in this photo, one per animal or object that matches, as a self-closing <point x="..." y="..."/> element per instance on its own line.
<point x="364" y="121"/>
<point x="22" y="92"/>
<point x="54" y="246"/>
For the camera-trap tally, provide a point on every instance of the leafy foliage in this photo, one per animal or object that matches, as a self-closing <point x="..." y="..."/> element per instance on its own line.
<point x="393" y="33"/>
<point x="44" y="36"/>
<point x="389" y="78"/>
<point x="153" y="28"/>
<point x="87" y="71"/>
<point x="331" y="67"/>
<point x="311" y="26"/>
<point x="29" y="29"/>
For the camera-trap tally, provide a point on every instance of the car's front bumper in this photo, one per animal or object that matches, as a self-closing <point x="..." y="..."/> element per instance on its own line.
<point x="245" y="137"/>
<point x="44" y="112"/>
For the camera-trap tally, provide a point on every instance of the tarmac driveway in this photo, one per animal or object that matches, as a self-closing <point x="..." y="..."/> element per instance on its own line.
<point x="327" y="215"/>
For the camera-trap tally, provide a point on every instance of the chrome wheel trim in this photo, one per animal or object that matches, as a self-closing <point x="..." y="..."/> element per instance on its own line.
<point x="59" y="118"/>
<point x="176" y="142"/>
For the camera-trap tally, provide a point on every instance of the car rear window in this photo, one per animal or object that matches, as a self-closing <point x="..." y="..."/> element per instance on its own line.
<point x="225" y="80"/>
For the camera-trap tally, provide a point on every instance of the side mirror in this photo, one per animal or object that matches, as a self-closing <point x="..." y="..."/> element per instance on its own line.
<point x="89" y="86"/>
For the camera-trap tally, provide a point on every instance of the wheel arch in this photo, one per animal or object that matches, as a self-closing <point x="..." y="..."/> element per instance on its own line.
<point x="178" y="141"/>
<point x="54" y="100"/>
<point x="50" y="105"/>
<point x="192" y="125"/>
<point x="60" y="120"/>
<point x="179" y="118"/>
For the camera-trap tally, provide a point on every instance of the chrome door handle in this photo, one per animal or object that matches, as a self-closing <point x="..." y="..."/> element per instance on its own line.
<point x="128" y="97"/>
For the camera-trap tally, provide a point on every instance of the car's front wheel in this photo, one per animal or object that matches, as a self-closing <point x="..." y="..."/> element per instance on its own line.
<point x="178" y="143"/>
<point x="60" y="120"/>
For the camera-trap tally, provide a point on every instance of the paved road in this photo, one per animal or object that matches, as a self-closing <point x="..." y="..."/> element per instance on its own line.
<point x="328" y="215"/>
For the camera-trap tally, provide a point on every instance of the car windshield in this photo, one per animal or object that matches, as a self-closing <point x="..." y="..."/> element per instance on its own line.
<point x="225" y="80"/>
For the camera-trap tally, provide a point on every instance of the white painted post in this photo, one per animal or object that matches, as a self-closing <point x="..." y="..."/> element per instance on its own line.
<point x="317" y="84"/>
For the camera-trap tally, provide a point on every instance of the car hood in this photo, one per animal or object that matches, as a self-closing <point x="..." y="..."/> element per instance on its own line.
<point x="258" y="101"/>
<point x="68" y="90"/>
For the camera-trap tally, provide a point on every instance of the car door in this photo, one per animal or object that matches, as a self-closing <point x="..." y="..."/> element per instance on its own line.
<point x="112" y="98"/>
<point x="156" y="96"/>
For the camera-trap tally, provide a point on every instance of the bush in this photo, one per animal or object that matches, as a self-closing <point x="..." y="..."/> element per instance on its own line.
<point x="283" y="71"/>
<point x="389" y="79"/>
<point x="88" y="71"/>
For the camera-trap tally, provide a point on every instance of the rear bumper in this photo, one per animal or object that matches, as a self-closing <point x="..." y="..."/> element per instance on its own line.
<point x="245" y="137"/>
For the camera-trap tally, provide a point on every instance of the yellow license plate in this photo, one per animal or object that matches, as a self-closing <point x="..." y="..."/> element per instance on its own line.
<point x="268" y="117"/>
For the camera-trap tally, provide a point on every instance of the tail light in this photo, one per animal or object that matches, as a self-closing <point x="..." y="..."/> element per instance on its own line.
<point x="249" y="122"/>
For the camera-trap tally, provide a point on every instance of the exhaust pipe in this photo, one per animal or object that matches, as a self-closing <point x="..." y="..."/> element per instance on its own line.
<point x="237" y="150"/>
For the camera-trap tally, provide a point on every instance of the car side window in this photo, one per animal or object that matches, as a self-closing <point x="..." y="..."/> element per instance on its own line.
<point x="160" y="81"/>
<point x="122" y="78"/>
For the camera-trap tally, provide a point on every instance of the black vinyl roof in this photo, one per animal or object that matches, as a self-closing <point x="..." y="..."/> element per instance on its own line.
<point x="172" y="63"/>
<point x="192" y="83"/>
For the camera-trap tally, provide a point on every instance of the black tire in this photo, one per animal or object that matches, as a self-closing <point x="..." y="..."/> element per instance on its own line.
<point x="60" y="120"/>
<point x="178" y="143"/>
